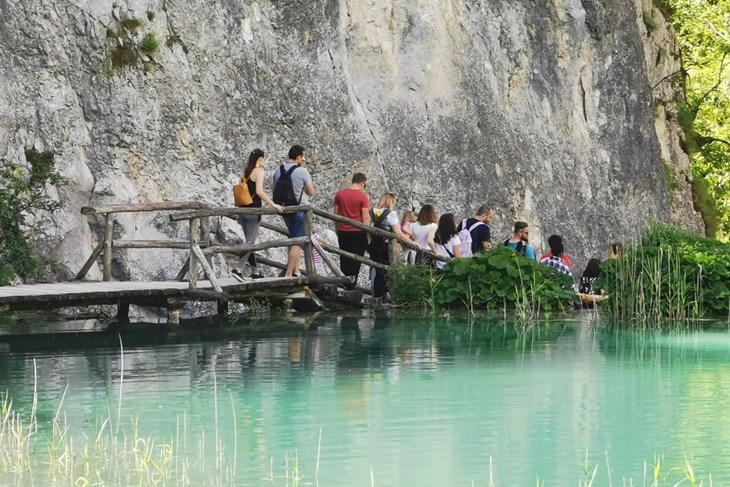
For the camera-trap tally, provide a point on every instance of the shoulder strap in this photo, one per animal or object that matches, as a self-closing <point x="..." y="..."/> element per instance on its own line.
<point x="475" y="225"/>
<point x="447" y="251"/>
<point x="291" y="169"/>
<point x="463" y="223"/>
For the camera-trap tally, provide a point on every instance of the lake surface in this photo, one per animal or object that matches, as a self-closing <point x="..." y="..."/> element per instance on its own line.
<point x="382" y="399"/>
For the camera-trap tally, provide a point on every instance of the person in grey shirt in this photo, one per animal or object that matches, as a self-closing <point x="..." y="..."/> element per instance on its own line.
<point x="303" y="189"/>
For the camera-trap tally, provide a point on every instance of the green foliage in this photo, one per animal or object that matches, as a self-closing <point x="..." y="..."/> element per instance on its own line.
<point x="703" y="32"/>
<point x="412" y="286"/>
<point x="496" y="279"/>
<point x="7" y="274"/>
<point x="705" y="203"/>
<point x="501" y="278"/>
<point x="670" y="275"/>
<point x="125" y="48"/>
<point x="150" y="44"/>
<point x="23" y="192"/>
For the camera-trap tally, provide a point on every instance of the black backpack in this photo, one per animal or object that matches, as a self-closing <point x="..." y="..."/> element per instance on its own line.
<point x="521" y="247"/>
<point x="284" y="188"/>
<point x="382" y="220"/>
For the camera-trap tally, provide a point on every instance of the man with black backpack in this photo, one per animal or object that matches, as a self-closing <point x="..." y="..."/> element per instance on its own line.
<point x="293" y="186"/>
<point x="520" y="241"/>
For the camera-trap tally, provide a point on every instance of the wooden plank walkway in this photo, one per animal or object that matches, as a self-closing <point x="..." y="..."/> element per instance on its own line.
<point x="159" y="293"/>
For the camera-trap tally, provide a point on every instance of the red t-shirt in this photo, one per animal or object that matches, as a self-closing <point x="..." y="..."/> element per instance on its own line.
<point x="349" y="203"/>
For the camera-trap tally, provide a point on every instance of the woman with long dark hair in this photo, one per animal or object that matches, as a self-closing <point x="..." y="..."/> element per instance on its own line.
<point x="446" y="240"/>
<point x="253" y="176"/>
<point x="424" y="230"/>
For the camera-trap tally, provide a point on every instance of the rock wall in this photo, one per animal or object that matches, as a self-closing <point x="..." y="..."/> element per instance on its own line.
<point x="551" y="111"/>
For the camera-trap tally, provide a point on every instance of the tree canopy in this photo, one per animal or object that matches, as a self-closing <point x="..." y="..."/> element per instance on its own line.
<point x="703" y="32"/>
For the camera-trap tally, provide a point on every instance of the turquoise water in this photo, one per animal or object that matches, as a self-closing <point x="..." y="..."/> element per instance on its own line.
<point x="387" y="400"/>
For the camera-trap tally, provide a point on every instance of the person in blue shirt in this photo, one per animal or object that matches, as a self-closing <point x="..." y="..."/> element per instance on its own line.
<point x="520" y="241"/>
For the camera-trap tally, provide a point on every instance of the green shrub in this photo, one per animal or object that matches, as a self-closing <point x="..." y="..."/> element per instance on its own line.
<point x="496" y="279"/>
<point x="23" y="192"/>
<point x="411" y="286"/>
<point x="150" y="44"/>
<point x="670" y="275"/>
<point x="502" y="278"/>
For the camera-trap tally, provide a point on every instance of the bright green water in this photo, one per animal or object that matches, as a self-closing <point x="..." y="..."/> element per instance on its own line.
<point x="399" y="402"/>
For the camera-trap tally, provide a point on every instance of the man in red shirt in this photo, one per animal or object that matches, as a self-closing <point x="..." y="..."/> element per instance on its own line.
<point x="352" y="203"/>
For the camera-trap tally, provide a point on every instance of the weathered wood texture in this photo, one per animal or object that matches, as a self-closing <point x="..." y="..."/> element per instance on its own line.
<point x="160" y="293"/>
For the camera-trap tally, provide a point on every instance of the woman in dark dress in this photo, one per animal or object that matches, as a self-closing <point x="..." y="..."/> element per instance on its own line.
<point x="254" y="177"/>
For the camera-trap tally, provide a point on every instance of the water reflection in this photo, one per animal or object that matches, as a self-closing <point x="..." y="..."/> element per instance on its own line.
<point x="421" y="400"/>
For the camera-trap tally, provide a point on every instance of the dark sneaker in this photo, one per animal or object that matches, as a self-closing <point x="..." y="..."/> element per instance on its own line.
<point x="237" y="275"/>
<point x="256" y="275"/>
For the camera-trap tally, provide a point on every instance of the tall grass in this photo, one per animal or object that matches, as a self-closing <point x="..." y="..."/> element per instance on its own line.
<point x="668" y="277"/>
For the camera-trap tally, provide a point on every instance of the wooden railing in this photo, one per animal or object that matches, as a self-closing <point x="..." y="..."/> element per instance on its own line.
<point x="201" y="251"/>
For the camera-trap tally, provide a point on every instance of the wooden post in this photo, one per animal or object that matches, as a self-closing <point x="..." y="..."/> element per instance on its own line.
<point x="94" y="255"/>
<point x="308" y="254"/>
<point x="207" y="268"/>
<point x="123" y="311"/>
<point x="194" y="237"/>
<point x="108" y="242"/>
<point x="393" y="251"/>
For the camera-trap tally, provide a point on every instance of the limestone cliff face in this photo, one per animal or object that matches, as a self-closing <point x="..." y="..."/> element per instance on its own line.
<point x="545" y="109"/>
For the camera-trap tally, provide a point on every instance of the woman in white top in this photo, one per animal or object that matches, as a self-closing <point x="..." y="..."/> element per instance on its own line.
<point x="383" y="216"/>
<point x="446" y="240"/>
<point x="424" y="230"/>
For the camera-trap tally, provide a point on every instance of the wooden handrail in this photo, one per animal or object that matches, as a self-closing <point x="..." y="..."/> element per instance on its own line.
<point x="194" y="212"/>
<point x="143" y="207"/>
<point x="233" y="212"/>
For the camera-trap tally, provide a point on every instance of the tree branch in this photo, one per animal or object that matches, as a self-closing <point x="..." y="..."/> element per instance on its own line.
<point x="714" y="87"/>
<point x="703" y="140"/>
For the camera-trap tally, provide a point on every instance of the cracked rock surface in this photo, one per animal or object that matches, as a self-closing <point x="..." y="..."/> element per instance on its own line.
<point x="559" y="113"/>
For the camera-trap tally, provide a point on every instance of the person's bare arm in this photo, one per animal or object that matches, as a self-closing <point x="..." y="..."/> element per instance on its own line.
<point x="366" y="216"/>
<point x="309" y="189"/>
<point x="457" y="251"/>
<point x="431" y="243"/>
<point x="260" y="190"/>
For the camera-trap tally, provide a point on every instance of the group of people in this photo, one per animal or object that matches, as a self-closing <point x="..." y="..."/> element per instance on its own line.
<point x="440" y="235"/>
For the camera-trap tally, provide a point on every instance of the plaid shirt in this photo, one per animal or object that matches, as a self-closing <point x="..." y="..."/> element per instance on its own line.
<point x="557" y="263"/>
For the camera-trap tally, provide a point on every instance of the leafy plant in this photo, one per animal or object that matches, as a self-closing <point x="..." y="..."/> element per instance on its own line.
<point x="23" y="193"/>
<point x="410" y="286"/>
<point x="502" y="278"/>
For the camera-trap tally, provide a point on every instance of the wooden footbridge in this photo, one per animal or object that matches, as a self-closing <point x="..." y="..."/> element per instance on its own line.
<point x="196" y="280"/>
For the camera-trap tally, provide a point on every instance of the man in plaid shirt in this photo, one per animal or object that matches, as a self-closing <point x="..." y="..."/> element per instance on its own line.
<point x="556" y="256"/>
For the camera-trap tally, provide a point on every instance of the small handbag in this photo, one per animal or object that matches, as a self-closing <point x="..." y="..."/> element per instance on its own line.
<point x="241" y="194"/>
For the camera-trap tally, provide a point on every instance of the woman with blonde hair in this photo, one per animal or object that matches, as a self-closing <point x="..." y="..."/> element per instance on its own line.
<point x="384" y="217"/>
